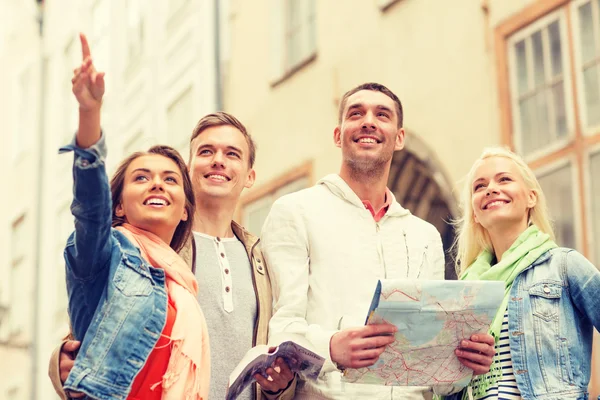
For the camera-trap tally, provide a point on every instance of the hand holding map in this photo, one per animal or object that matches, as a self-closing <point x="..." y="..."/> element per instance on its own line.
<point x="432" y="318"/>
<point x="292" y="348"/>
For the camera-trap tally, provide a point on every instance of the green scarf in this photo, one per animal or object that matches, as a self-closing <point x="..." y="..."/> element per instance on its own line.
<point x="528" y="247"/>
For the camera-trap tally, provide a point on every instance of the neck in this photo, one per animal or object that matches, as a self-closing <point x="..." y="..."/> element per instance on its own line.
<point x="503" y="237"/>
<point x="213" y="217"/>
<point x="368" y="186"/>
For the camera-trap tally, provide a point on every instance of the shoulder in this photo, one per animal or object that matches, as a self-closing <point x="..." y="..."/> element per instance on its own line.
<point x="300" y="197"/>
<point x="563" y="255"/>
<point x="569" y="261"/>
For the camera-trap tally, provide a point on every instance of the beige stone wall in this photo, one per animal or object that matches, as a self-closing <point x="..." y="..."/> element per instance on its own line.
<point x="441" y="70"/>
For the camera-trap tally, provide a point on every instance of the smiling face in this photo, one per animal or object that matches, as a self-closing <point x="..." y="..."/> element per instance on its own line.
<point x="500" y="196"/>
<point x="153" y="196"/>
<point x="369" y="132"/>
<point x="220" y="166"/>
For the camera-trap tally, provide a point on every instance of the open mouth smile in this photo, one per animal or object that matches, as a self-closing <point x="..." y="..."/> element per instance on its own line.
<point x="494" y="203"/>
<point x="156" y="201"/>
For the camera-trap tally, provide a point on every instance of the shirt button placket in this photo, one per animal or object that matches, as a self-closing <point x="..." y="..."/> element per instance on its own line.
<point x="227" y="283"/>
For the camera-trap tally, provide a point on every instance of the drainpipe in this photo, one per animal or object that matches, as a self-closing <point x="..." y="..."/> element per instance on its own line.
<point x="218" y="75"/>
<point x="39" y="194"/>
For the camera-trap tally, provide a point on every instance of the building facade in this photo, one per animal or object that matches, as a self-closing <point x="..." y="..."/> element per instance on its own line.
<point x="519" y="73"/>
<point x="161" y="76"/>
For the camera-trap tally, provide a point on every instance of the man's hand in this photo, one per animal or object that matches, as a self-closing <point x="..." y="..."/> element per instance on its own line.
<point x="361" y="347"/>
<point x="88" y="84"/>
<point x="477" y="353"/>
<point x="66" y="361"/>
<point x="279" y="378"/>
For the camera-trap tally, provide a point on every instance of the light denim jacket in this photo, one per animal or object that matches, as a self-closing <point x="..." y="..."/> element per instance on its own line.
<point x="553" y="307"/>
<point x="117" y="301"/>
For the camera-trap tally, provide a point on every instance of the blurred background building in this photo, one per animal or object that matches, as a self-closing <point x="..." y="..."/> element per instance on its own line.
<point x="470" y="74"/>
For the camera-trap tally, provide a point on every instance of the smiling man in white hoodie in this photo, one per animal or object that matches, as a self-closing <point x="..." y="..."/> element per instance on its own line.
<point x="329" y="244"/>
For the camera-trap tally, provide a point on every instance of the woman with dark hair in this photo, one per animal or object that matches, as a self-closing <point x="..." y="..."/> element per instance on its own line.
<point x="132" y="298"/>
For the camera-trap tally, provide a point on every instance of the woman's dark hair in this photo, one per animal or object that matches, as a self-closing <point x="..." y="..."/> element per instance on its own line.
<point x="184" y="229"/>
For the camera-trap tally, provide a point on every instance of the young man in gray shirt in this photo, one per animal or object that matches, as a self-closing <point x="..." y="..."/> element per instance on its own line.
<point x="234" y="287"/>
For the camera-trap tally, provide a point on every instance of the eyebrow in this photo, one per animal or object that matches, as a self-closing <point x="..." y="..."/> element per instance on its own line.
<point x="211" y="146"/>
<point x="146" y="170"/>
<point x="495" y="176"/>
<point x="361" y="105"/>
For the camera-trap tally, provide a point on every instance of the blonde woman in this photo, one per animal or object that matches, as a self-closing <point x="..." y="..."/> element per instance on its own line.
<point x="544" y="326"/>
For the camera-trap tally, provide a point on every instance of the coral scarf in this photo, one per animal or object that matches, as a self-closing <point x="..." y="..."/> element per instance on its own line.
<point x="188" y="372"/>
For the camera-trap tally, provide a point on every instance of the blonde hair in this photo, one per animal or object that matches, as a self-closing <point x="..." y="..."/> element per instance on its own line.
<point x="471" y="237"/>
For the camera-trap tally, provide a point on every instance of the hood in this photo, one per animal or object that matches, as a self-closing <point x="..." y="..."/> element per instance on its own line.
<point x="340" y="188"/>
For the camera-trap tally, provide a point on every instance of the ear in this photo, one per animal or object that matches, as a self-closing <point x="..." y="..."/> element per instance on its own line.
<point x="400" y="139"/>
<point x="119" y="211"/>
<point x="532" y="199"/>
<point x="250" y="180"/>
<point x="185" y="215"/>
<point x="337" y="136"/>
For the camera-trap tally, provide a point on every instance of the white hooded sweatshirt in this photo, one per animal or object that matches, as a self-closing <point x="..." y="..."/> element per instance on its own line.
<point x="325" y="253"/>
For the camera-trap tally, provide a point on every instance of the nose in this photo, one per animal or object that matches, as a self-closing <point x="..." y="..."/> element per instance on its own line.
<point x="491" y="188"/>
<point x="368" y="121"/>
<point x="218" y="160"/>
<point x="157" y="184"/>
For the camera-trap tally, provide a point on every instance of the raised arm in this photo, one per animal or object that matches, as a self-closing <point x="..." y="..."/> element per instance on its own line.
<point x="88" y="249"/>
<point x="88" y="88"/>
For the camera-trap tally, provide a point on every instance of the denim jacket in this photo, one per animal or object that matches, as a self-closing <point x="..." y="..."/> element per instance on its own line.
<point x="553" y="307"/>
<point x="117" y="301"/>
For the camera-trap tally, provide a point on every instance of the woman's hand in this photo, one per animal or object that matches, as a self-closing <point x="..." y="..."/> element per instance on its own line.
<point x="88" y="84"/>
<point x="88" y="88"/>
<point x="477" y="353"/>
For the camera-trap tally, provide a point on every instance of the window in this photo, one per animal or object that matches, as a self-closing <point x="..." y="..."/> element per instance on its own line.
<point x="587" y="20"/>
<point x="294" y="37"/>
<point x="539" y="85"/>
<point x="300" y="31"/>
<point x="550" y="103"/>
<point x="576" y="63"/>
<point x="257" y="205"/>
<point x="180" y="121"/>
<point x="558" y="187"/>
<point x="595" y="204"/>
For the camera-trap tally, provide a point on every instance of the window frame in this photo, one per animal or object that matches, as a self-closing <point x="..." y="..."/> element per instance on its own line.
<point x="576" y="148"/>
<point x="525" y="33"/>
<point x="554" y="166"/>
<point x="578" y="63"/>
<point x="282" y="68"/>
<point x="589" y="153"/>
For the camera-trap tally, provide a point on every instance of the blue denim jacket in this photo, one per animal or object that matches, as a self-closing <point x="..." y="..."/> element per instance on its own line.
<point x="117" y="301"/>
<point x="553" y="307"/>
